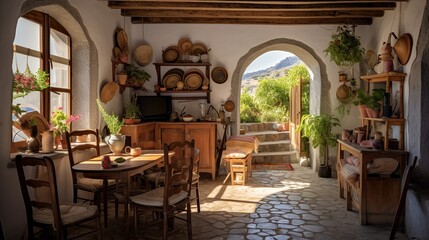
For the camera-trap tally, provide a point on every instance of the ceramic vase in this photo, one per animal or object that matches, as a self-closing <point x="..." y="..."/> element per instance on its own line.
<point x="116" y="143"/>
<point x="33" y="143"/>
<point x="48" y="141"/>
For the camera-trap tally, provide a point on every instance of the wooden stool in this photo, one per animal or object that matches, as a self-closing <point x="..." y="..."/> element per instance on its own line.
<point x="240" y="161"/>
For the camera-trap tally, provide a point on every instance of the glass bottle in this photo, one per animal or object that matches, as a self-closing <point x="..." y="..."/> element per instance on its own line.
<point x="222" y="113"/>
<point x="202" y="111"/>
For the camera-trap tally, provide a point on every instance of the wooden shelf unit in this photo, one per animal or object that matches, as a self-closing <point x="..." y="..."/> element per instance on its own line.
<point x="196" y="94"/>
<point x="388" y="79"/>
<point x="375" y="196"/>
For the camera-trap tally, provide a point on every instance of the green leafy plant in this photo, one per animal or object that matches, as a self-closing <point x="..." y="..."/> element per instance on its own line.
<point x="318" y="129"/>
<point x="344" y="49"/>
<point x="136" y="76"/>
<point x="112" y="121"/>
<point x="132" y="110"/>
<point x="375" y="98"/>
<point x="362" y="98"/>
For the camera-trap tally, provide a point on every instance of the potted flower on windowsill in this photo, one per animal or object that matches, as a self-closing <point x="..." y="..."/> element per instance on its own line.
<point x="60" y="123"/>
<point x="115" y="140"/>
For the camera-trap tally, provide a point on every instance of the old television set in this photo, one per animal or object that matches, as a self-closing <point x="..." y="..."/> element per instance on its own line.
<point x="154" y="108"/>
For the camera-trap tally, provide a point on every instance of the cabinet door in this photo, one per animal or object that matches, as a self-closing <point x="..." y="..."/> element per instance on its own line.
<point x="168" y="133"/>
<point x="205" y="140"/>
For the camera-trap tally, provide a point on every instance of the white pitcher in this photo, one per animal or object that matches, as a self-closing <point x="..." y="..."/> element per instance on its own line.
<point x="116" y="143"/>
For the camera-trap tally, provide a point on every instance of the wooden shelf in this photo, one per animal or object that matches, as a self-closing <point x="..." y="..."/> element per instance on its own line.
<point x="205" y="94"/>
<point x="387" y="78"/>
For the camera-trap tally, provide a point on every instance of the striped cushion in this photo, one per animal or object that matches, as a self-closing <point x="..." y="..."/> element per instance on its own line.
<point x="155" y="198"/>
<point x="69" y="213"/>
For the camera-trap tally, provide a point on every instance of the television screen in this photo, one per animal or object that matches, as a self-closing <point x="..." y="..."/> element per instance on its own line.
<point x="154" y="108"/>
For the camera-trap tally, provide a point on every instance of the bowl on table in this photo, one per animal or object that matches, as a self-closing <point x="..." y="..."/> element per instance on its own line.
<point x="187" y="118"/>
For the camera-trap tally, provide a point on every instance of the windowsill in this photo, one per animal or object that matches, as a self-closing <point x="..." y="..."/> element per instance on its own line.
<point x="57" y="154"/>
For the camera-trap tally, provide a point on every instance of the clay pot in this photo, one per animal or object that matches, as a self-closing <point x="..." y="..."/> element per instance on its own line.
<point x="362" y="110"/>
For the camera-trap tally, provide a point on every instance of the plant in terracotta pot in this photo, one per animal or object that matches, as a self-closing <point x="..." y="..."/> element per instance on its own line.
<point x="136" y="76"/>
<point x="132" y="113"/>
<point x="361" y="100"/>
<point x="60" y="123"/>
<point x="115" y="140"/>
<point x="374" y="103"/>
<point x="122" y="77"/>
<point x="318" y="129"/>
<point x="345" y="49"/>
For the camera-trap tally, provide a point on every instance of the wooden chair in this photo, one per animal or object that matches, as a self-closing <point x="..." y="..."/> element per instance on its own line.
<point x="196" y="177"/>
<point x="175" y="196"/>
<point x="51" y="214"/>
<point x="83" y="151"/>
<point x="408" y="173"/>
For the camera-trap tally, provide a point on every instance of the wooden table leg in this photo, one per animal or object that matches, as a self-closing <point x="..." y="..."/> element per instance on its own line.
<point x="105" y="201"/>
<point x="126" y="198"/>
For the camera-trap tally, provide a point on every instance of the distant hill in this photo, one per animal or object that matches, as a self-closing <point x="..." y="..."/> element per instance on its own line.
<point x="250" y="80"/>
<point x="285" y="63"/>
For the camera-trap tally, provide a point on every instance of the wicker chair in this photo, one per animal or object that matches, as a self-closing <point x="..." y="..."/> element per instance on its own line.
<point x="50" y="214"/>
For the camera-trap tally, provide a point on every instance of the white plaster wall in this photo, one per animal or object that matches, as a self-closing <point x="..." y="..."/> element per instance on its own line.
<point x="100" y="23"/>
<point x="228" y="44"/>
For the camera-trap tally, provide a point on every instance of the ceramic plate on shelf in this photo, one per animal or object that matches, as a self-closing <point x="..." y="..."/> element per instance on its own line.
<point x="184" y="45"/>
<point x="171" y="54"/>
<point x="170" y="80"/>
<point x="219" y="75"/>
<point x="198" y="49"/>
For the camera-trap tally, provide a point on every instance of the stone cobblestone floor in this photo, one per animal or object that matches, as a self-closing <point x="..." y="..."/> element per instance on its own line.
<point x="273" y="205"/>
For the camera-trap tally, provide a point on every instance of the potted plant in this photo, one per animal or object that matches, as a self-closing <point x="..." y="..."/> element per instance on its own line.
<point x="115" y="140"/>
<point x="122" y="77"/>
<point x="374" y="102"/>
<point x="318" y="130"/>
<point x="344" y="49"/>
<point x="132" y="113"/>
<point x="60" y="123"/>
<point x="136" y="76"/>
<point x="361" y="100"/>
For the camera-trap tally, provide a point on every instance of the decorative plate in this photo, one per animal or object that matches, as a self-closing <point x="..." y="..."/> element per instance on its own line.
<point x="171" y="54"/>
<point x="193" y="81"/>
<point x="184" y="45"/>
<point x="219" y="75"/>
<point x="198" y="49"/>
<point x="229" y="106"/>
<point x="170" y="80"/>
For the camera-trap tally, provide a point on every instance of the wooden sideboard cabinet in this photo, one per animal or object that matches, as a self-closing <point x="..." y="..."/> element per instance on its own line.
<point x="375" y="196"/>
<point x="204" y="134"/>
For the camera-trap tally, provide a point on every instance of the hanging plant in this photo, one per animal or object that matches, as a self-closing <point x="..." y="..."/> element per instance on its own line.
<point x="344" y="49"/>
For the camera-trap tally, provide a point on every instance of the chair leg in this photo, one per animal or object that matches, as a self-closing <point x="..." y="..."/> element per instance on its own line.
<point x="189" y="220"/>
<point x="136" y="218"/>
<point x="197" y="192"/>
<point x="105" y="201"/>
<point x="116" y="208"/>
<point x="165" y="229"/>
<point x="74" y="195"/>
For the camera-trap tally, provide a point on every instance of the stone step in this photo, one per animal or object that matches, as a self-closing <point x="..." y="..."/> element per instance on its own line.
<point x="274" y="146"/>
<point x="267" y="136"/>
<point x="275" y="157"/>
<point x="255" y="127"/>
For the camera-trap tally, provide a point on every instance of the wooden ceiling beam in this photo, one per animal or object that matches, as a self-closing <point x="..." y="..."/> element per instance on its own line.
<point x="249" y="14"/>
<point x="171" y="5"/>
<point x="271" y="21"/>
<point x="264" y="1"/>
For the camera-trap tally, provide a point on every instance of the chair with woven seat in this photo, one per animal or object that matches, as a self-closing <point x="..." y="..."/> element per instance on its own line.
<point x="175" y="197"/>
<point x="49" y="213"/>
<point x="196" y="177"/>
<point x="81" y="151"/>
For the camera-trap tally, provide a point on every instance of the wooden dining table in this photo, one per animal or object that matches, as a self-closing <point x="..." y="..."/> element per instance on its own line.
<point x="123" y="172"/>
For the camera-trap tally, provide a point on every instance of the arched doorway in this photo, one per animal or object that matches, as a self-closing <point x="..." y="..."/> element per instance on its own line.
<point x="320" y="86"/>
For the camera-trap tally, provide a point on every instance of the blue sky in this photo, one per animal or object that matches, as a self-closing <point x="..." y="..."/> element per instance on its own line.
<point x="267" y="60"/>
